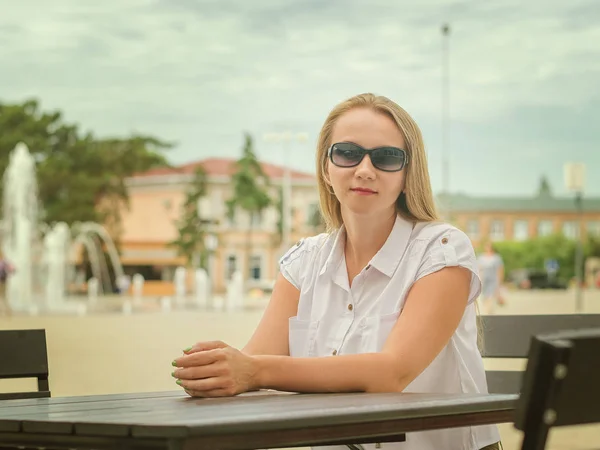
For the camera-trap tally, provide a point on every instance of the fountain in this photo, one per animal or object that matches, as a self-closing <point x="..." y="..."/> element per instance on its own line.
<point x="86" y="231"/>
<point x="43" y="255"/>
<point x="92" y="288"/>
<point x="180" y="281"/>
<point x="20" y="210"/>
<point x="56" y="246"/>
<point x="201" y="288"/>
<point x="138" y="288"/>
<point x="235" y="292"/>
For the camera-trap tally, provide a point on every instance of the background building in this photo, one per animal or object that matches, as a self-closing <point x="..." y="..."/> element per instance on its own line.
<point x="522" y="218"/>
<point x="149" y="223"/>
<point x="156" y="198"/>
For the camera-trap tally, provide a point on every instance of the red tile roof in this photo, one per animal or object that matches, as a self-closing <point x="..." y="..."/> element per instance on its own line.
<point x="222" y="167"/>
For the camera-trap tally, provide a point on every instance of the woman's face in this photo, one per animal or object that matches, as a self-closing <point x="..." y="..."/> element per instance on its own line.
<point x="363" y="189"/>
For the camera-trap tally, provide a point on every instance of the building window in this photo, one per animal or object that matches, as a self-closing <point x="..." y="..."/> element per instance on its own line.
<point x="230" y="267"/>
<point x="593" y="228"/>
<point x="204" y="208"/>
<point x="545" y="228"/>
<point x="521" y="230"/>
<point x="571" y="229"/>
<point x="255" y="267"/>
<point x="473" y="228"/>
<point x="497" y="230"/>
<point x="255" y="219"/>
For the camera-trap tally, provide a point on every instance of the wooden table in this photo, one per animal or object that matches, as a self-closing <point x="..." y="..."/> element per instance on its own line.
<point x="266" y="419"/>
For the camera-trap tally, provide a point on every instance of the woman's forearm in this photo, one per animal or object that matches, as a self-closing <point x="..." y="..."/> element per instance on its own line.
<point x="368" y="372"/>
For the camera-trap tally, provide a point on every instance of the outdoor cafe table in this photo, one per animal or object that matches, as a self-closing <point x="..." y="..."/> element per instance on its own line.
<point x="264" y="419"/>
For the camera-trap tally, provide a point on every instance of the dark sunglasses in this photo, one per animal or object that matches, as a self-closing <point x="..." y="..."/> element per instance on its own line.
<point x="387" y="159"/>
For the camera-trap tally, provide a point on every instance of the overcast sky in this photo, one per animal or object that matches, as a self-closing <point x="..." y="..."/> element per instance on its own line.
<point x="525" y="76"/>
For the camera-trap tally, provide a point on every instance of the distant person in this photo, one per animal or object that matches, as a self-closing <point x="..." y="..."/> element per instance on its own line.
<point x="382" y="302"/>
<point x="491" y="271"/>
<point x="5" y="270"/>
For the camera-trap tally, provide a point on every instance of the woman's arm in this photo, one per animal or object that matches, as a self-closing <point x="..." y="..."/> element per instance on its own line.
<point x="271" y="336"/>
<point x="434" y="307"/>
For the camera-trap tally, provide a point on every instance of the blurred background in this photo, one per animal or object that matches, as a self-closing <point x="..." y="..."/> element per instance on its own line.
<point x="159" y="158"/>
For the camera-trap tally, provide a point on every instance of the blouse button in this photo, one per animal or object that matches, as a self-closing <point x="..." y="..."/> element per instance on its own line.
<point x="444" y="240"/>
<point x="334" y="352"/>
<point x="350" y="307"/>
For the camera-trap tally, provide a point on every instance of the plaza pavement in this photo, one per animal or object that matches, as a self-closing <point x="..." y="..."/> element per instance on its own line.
<point x="117" y="353"/>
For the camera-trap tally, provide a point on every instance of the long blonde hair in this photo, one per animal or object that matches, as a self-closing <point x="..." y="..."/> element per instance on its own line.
<point x="416" y="203"/>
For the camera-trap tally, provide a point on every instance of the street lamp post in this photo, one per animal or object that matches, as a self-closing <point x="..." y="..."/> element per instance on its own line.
<point x="575" y="182"/>
<point x="579" y="253"/>
<point x="285" y="138"/>
<point x="445" y="105"/>
<point x="445" y="94"/>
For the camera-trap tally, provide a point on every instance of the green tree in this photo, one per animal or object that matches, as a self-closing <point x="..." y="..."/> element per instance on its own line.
<point x="190" y="226"/>
<point x="316" y="220"/>
<point x="594" y="246"/>
<point x="544" y="190"/>
<point x="80" y="177"/>
<point x="250" y="191"/>
<point x="533" y="253"/>
<point x="278" y="237"/>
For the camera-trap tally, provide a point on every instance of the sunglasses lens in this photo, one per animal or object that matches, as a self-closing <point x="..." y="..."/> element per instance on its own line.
<point x="346" y="155"/>
<point x="388" y="158"/>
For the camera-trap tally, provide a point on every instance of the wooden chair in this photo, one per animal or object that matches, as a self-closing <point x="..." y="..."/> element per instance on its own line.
<point x="561" y="385"/>
<point x="510" y="336"/>
<point x="23" y="354"/>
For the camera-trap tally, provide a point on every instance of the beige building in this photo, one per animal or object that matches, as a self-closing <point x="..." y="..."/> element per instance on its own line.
<point x="522" y="218"/>
<point x="150" y="223"/>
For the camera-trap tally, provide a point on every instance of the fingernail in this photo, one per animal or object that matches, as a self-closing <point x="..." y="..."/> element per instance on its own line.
<point x="178" y="382"/>
<point x="187" y="349"/>
<point x="173" y="374"/>
<point x="174" y="363"/>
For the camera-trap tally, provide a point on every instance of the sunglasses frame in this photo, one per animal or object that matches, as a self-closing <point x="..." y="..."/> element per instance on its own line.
<point x="368" y="152"/>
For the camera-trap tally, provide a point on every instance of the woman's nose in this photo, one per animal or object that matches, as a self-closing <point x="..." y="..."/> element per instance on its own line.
<point x="365" y="169"/>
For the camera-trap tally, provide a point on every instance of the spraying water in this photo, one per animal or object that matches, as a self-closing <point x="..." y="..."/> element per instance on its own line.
<point x="51" y="257"/>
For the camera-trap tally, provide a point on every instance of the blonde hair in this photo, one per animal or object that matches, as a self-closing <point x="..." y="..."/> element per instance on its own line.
<point x="416" y="203"/>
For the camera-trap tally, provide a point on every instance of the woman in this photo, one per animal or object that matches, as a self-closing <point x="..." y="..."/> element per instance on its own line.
<point x="381" y="303"/>
<point x="491" y="270"/>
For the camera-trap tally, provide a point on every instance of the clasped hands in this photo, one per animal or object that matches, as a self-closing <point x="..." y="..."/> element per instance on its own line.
<point x="214" y="369"/>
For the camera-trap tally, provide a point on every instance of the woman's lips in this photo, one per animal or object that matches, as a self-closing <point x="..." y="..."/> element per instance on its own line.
<point x="363" y="191"/>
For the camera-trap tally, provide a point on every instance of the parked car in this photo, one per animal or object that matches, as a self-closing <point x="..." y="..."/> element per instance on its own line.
<point x="535" y="279"/>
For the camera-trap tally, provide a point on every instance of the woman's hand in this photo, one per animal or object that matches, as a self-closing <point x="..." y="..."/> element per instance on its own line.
<point x="214" y="369"/>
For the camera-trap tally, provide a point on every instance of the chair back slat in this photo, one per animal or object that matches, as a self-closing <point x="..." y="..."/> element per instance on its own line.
<point x="509" y="336"/>
<point x="560" y="384"/>
<point x="24" y="355"/>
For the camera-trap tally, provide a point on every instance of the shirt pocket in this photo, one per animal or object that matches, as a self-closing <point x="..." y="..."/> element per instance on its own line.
<point x="375" y="330"/>
<point x="302" y="335"/>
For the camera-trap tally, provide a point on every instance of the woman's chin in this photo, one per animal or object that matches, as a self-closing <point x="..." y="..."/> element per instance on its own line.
<point x="364" y="209"/>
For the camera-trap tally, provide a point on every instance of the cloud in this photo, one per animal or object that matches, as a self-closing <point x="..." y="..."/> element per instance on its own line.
<point x="201" y="72"/>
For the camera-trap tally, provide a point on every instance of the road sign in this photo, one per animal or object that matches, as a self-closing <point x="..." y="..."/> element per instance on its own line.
<point x="551" y="265"/>
<point x="574" y="176"/>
